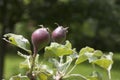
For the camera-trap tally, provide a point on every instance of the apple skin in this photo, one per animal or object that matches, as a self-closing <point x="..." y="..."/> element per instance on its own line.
<point x="59" y="34"/>
<point x="40" y="38"/>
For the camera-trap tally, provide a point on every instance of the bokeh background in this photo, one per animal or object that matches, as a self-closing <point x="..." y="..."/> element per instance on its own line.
<point x="94" y="23"/>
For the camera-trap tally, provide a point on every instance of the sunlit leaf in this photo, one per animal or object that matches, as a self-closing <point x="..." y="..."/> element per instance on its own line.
<point x="90" y="57"/>
<point x="98" y="53"/>
<point x="42" y="76"/>
<point x="81" y="59"/>
<point x="56" y="50"/>
<point x="86" y="49"/>
<point x="105" y="61"/>
<point x="82" y="54"/>
<point x="18" y="40"/>
<point x="19" y="77"/>
<point x="68" y="45"/>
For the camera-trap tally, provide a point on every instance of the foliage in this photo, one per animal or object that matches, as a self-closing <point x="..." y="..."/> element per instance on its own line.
<point x="61" y="56"/>
<point x="96" y="21"/>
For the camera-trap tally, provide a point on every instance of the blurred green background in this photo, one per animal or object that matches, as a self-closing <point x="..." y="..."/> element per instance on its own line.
<point x="94" y="23"/>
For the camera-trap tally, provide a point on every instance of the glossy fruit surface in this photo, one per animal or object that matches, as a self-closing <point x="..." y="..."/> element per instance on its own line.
<point x="40" y="38"/>
<point x="59" y="34"/>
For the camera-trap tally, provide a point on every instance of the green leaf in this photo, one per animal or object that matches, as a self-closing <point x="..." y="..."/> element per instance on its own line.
<point x="89" y="54"/>
<point x="42" y="76"/>
<point x="90" y="57"/>
<point x="81" y="59"/>
<point x="74" y="77"/>
<point x="18" y="40"/>
<point x="98" y="53"/>
<point x="82" y="54"/>
<point x="68" y="44"/>
<point x="105" y="61"/>
<point x="95" y="76"/>
<point x="56" y="50"/>
<point x="27" y="63"/>
<point x="45" y="68"/>
<point x="19" y="77"/>
<point x="86" y="49"/>
<point x="55" y="62"/>
<point x="66" y="65"/>
<point x="62" y="67"/>
<point x="43" y="73"/>
<point x="74" y="55"/>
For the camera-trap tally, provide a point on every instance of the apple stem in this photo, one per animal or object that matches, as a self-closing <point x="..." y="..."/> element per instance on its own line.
<point x="30" y="74"/>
